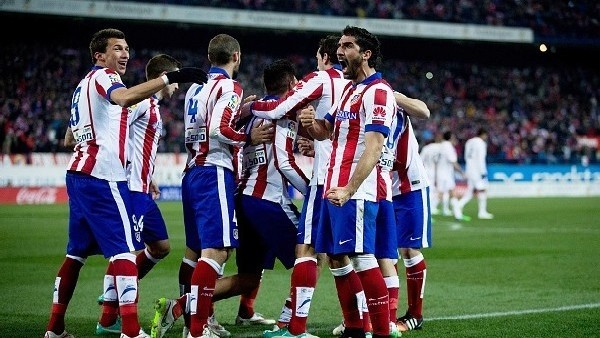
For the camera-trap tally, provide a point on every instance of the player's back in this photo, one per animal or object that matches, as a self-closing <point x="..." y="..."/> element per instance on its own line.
<point x="322" y="89"/>
<point x="210" y="116"/>
<point x="475" y="154"/>
<point x="145" y="133"/>
<point x="268" y="167"/>
<point x="447" y="158"/>
<point x="99" y="127"/>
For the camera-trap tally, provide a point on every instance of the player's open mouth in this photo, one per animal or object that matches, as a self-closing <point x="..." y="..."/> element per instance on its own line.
<point x="344" y="64"/>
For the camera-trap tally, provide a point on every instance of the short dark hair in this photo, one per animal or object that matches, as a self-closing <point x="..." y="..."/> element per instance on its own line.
<point x="328" y="45"/>
<point x="481" y="131"/>
<point x="99" y="41"/>
<point x="278" y="75"/>
<point x="221" y="48"/>
<point x="447" y="135"/>
<point x="366" y="41"/>
<point x="161" y="63"/>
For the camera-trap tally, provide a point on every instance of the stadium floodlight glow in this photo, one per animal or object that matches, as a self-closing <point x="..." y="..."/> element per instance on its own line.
<point x="543" y="48"/>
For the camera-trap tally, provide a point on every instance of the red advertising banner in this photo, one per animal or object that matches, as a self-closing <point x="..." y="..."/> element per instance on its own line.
<point x="33" y="195"/>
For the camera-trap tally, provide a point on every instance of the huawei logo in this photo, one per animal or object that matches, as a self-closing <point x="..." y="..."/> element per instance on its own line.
<point x="379" y="111"/>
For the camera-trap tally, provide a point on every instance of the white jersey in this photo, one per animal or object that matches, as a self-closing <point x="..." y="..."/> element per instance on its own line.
<point x="430" y="154"/>
<point x="445" y="166"/>
<point x="100" y="127"/>
<point x="145" y="133"/>
<point x="475" y="154"/>
<point x="322" y="87"/>
<point x="210" y="117"/>
<point x="409" y="173"/>
<point x="268" y="167"/>
<point x="368" y="106"/>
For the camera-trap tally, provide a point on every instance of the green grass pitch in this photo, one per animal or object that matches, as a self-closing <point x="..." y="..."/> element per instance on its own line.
<point x="533" y="271"/>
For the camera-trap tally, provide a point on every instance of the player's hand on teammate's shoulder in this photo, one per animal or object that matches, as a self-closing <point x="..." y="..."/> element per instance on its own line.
<point x="246" y="107"/>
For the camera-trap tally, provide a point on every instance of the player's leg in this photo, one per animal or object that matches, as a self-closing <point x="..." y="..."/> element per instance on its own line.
<point x="413" y="220"/>
<point x="80" y="239"/>
<point x="214" y="204"/>
<point x="154" y="233"/>
<point x="347" y="284"/>
<point x="386" y="252"/>
<point x="305" y="272"/>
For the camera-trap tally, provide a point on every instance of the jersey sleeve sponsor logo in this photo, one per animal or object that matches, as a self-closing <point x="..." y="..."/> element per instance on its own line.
<point x="379" y="114"/>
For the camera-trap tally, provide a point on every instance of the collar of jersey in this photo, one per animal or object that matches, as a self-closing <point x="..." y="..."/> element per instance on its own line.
<point x="375" y="76"/>
<point x="218" y="70"/>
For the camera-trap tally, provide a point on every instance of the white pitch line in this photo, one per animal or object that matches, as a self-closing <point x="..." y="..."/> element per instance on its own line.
<point x="516" y="313"/>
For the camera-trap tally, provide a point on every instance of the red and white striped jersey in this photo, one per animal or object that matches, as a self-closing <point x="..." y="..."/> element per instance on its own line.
<point x="100" y="127"/>
<point x="144" y="135"/>
<point x="368" y="106"/>
<point x="210" y="117"/>
<point x="322" y="88"/>
<point x="267" y="168"/>
<point x="409" y="172"/>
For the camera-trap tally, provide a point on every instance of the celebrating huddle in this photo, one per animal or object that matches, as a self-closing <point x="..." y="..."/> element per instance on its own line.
<point x="366" y="203"/>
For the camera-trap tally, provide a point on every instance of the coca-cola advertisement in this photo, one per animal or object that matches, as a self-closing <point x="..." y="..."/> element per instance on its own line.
<point x="33" y="195"/>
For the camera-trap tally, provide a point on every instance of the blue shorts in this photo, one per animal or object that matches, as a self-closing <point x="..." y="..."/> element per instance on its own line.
<point x="208" y="208"/>
<point x="267" y="232"/>
<point x="386" y="243"/>
<point x="100" y="217"/>
<point x="309" y="218"/>
<point x="349" y="229"/>
<point x="413" y="219"/>
<point x="149" y="217"/>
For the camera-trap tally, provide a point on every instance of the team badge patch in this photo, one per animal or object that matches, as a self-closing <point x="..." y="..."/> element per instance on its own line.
<point x="233" y="102"/>
<point x="114" y="78"/>
<point x="355" y="98"/>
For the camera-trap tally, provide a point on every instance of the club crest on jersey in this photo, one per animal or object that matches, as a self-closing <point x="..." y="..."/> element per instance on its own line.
<point x="355" y="98"/>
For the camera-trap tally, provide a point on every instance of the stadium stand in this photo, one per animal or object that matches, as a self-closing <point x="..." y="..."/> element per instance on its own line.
<point x="537" y="110"/>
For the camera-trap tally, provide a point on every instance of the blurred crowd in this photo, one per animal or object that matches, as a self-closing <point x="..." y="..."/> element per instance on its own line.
<point x="534" y="114"/>
<point x="563" y="19"/>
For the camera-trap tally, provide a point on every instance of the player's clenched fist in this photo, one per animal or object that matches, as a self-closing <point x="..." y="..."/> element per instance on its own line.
<point x="306" y="116"/>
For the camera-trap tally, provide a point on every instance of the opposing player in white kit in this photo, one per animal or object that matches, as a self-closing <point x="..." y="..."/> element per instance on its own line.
<point x="102" y="222"/>
<point x="430" y="154"/>
<point x="476" y="172"/>
<point x="447" y="165"/>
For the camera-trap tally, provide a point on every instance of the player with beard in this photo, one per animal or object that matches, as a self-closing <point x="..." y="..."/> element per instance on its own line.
<point x="359" y="124"/>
